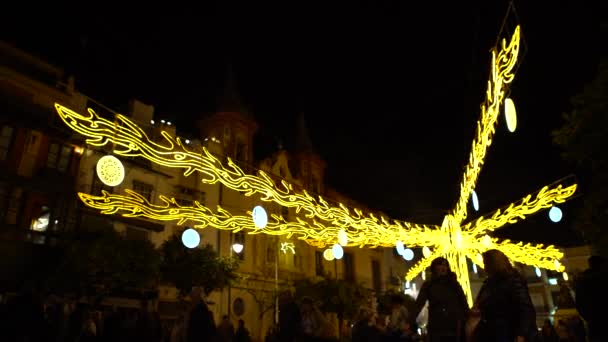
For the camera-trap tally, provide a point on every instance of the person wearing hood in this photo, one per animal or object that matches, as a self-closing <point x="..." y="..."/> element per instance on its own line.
<point x="448" y="305"/>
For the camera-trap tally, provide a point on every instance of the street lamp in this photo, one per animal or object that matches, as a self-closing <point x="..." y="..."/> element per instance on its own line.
<point x="237" y="248"/>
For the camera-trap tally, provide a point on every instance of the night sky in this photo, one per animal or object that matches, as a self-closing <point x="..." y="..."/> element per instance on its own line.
<point x="390" y="90"/>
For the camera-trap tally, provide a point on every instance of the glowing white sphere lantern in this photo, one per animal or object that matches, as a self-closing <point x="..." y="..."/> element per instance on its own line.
<point x="537" y="271"/>
<point x="190" y="238"/>
<point x="237" y="248"/>
<point x="337" y="251"/>
<point x="342" y="237"/>
<point x="400" y="248"/>
<point x="328" y="254"/>
<point x="510" y="115"/>
<point x="260" y="218"/>
<point x="565" y="276"/>
<point x="475" y="200"/>
<point x="110" y="170"/>
<point x="555" y="214"/>
<point x="426" y="252"/>
<point x="408" y="254"/>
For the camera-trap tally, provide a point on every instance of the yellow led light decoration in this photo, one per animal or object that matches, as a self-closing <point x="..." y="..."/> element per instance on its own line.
<point x="500" y="76"/>
<point x="110" y="170"/>
<point x="317" y="222"/>
<point x="131" y="141"/>
<point x="288" y="246"/>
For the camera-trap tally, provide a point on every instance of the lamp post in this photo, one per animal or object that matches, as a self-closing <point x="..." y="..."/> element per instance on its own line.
<point x="237" y="248"/>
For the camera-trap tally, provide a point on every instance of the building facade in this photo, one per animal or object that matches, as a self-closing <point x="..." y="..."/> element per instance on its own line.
<point x="45" y="164"/>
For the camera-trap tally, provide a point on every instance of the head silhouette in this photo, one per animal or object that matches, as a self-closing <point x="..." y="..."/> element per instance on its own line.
<point x="440" y="267"/>
<point x="496" y="263"/>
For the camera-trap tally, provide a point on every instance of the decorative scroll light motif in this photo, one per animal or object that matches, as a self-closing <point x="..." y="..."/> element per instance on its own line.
<point x="288" y="246"/>
<point x="325" y="224"/>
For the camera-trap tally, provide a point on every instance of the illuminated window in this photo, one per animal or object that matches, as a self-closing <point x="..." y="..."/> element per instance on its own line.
<point x="41" y="223"/>
<point x="143" y="189"/>
<point x="59" y="157"/>
<point x="6" y="137"/>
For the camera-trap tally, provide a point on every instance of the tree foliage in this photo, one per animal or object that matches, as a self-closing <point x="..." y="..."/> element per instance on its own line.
<point x="385" y="299"/>
<point x="99" y="262"/>
<point x="184" y="268"/>
<point x="584" y="142"/>
<point x="344" y="298"/>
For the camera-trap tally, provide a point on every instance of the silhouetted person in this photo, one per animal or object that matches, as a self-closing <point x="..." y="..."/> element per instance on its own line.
<point x="447" y="303"/>
<point x="591" y="298"/>
<point x="289" y="318"/>
<point x="364" y="329"/>
<point x="225" y="331"/>
<point x="241" y="334"/>
<point x="548" y="333"/>
<point x="200" y="325"/>
<point x="504" y="303"/>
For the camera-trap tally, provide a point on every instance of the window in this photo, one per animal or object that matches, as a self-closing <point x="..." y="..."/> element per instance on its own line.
<point x="349" y="267"/>
<point x="14" y="206"/>
<point x="241" y="152"/>
<point x="143" y="189"/>
<point x="319" y="263"/>
<point x="6" y="137"/>
<point x="59" y="157"/>
<point x="376" y="277"/>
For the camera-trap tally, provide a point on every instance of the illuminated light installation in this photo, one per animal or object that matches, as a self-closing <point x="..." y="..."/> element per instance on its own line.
<point x="337" y="251"/>
<point x="555" y="214"/>
<point x="237" y="248"/>
<point x="400" y="248"/>
<point x="110" y="170"/>
<point x="426" y="251"/>
<point x="260" y="218"/>
<point x="475" y="200"/>
<point x="190" y="238"/>
<point x="565" y="276"/>
<point x="328" y="254"/>
<point x="452" y="239"/>
<point x="408" y="254"/>
<point x="537" y="271"/>
<point x="510" y="115"/>
<point x="288" y="246"/>
<point x="342" y="237"/>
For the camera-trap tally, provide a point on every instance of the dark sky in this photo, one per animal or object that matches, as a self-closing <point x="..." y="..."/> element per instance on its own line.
<point x="390" y="89"/>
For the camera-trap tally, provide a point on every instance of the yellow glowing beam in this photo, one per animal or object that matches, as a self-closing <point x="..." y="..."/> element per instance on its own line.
<point x="501" y="74"/>
<point x="528" y="205"/>
<point x="313" y="232"/>
<point x="131" y="141"/>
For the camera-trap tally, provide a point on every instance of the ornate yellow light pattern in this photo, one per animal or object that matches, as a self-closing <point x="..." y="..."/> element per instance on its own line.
<point x="131" y="141"/>
<point x="326" y="224"/>
<point x="500" y="76"/>
<point x="288" y="246"/>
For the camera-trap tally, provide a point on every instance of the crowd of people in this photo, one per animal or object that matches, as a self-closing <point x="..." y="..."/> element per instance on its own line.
<point x="502" y="311"/>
